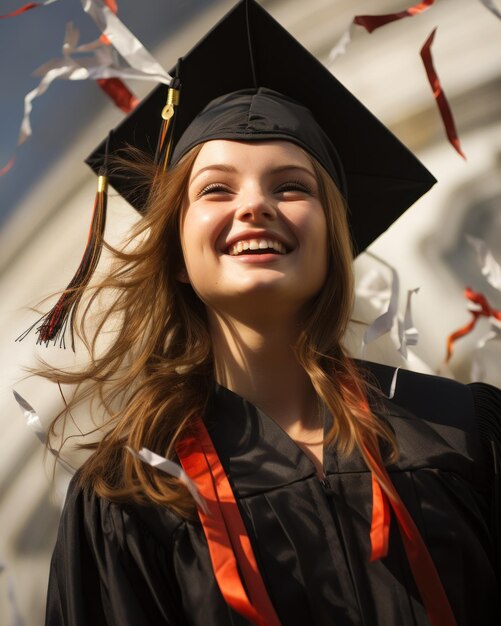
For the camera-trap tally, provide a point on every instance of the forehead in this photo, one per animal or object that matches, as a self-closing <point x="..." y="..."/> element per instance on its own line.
<point x="251" y="156"/>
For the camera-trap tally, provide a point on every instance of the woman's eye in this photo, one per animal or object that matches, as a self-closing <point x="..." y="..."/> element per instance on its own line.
<point x="294" y="185"/>
<point x="212" y="188"/>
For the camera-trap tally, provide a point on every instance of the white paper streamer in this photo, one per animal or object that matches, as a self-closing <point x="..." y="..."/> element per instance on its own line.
<point x="34" y="423"/>
<point x="384" y="323"/>
<point x="340" y="48"/>
<point x="393" y="386"/>
<point x="374" y="287"/>
<point x="481" y="368"/>
<point x="102" y="63"/>
<point x="171" y="468"/>
<point x="489" y="4"/>
<point x="489" y="267"/>
<point x="407" y="332"/>
<point x="127" y="44"/>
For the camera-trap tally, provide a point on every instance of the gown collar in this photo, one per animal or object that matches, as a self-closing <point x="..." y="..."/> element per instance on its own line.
<point x="257" y="454"/>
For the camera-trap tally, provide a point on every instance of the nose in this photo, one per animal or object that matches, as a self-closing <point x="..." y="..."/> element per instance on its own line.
<point x="255" y="207"/>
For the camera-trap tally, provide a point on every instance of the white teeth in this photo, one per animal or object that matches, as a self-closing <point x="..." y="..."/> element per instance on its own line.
<point x="256" y="244"/>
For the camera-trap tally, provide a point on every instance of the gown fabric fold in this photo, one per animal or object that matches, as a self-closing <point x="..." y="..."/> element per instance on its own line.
<point x="129" y="564"/>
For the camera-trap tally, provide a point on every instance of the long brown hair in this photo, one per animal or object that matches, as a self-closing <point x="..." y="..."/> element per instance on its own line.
<point x="154" y="377"/>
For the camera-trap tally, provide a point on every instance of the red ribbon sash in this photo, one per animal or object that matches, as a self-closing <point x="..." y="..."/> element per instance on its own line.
<point x="423" y="569"/>
<point x="231" y="552"/>
<point x="229" y="545"/>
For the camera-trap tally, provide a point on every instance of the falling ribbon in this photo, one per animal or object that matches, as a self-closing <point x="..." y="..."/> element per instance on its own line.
<point x="490" y="6"/>
<point x="103" y="64"/>
<point x="35" y="424"/>
<point x="100" y="65"/>
<point x="384" y="323"/>
<point x="118" y="91"/>
<point x="26" y="7"/>
<point x="478" y="307"/>
<point x="127" y="44"/>
<point x="407" y="332"/>
<point x="7" y="167"/>
<point x="393" y="386"/>
<point x="439" y="95"/>
<point x="478" y="369"/>
<point x="489" y="267"/>
<point x="372" y="22"/>
<point x="115" y="88"/>
<point x="171" y="468"/>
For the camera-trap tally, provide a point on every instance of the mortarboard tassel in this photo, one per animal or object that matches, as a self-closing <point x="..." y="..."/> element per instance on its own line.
<point x="54" y="323"/>
<point x="168" y="115"/>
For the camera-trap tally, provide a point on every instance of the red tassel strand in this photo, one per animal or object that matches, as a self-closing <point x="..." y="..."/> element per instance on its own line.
<point x="54" y="323"/>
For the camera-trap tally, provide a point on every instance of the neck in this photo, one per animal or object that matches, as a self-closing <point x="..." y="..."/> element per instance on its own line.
<point x="258" y="363"/>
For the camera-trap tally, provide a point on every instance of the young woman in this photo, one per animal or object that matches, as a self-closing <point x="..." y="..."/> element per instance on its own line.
<point x="320" y="501"/>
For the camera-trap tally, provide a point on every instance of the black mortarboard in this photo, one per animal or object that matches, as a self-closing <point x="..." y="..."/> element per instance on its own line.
<point x="249" y="52"/>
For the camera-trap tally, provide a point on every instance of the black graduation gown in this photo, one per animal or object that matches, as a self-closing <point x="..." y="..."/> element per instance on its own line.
<point x="133" y="565"/>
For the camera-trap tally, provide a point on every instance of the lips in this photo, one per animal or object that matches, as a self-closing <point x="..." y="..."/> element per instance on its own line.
<point x="258" y="245"/>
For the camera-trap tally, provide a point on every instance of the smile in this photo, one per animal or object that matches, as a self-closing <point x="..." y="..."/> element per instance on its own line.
<point x="257" y="246"/>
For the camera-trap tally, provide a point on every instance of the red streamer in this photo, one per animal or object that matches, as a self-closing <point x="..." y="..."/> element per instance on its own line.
<point x="26" y="7"/>
<point x="6" y="168"/>
<point x="118" y="91"/>
<point x="371" y="22"/>
<point x="115" y="88"/>
<point x="483" y="309"/>
<point x="439" y="95"/>
<point x="112" y="6"/>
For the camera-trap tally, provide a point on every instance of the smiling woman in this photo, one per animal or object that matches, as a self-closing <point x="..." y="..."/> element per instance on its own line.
<point x="228" y="359"/>
<point x="254" y="226"/>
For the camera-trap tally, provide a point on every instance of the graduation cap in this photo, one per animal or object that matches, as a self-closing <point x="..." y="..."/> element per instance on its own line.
<point x="249" y="79"/>
<point x="248" y="50"/>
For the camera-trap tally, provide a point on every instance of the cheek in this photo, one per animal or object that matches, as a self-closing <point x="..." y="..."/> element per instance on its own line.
<point x="201" y="228"/>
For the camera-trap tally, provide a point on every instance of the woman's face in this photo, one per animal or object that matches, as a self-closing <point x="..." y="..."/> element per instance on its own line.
<point x="253" y="232"/>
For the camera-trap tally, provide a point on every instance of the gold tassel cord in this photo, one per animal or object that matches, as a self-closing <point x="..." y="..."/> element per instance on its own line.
<point x="165" y="140"/>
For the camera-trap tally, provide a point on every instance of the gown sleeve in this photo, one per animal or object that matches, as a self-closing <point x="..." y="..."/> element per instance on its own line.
<point x="487" y="402"/>
<point x="107" y="568"/>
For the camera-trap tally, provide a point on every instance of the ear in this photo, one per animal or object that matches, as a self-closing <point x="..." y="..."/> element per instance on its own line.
<point x="182" y="276"/>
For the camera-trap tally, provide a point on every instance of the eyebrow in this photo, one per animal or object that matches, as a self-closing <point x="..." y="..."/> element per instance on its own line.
<point x="222" y="167"/>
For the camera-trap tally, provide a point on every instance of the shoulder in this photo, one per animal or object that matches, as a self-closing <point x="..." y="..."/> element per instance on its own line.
<point x="435" y="398"/>
<point x="438" y="422"/>
<point x="120" y="523"/>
